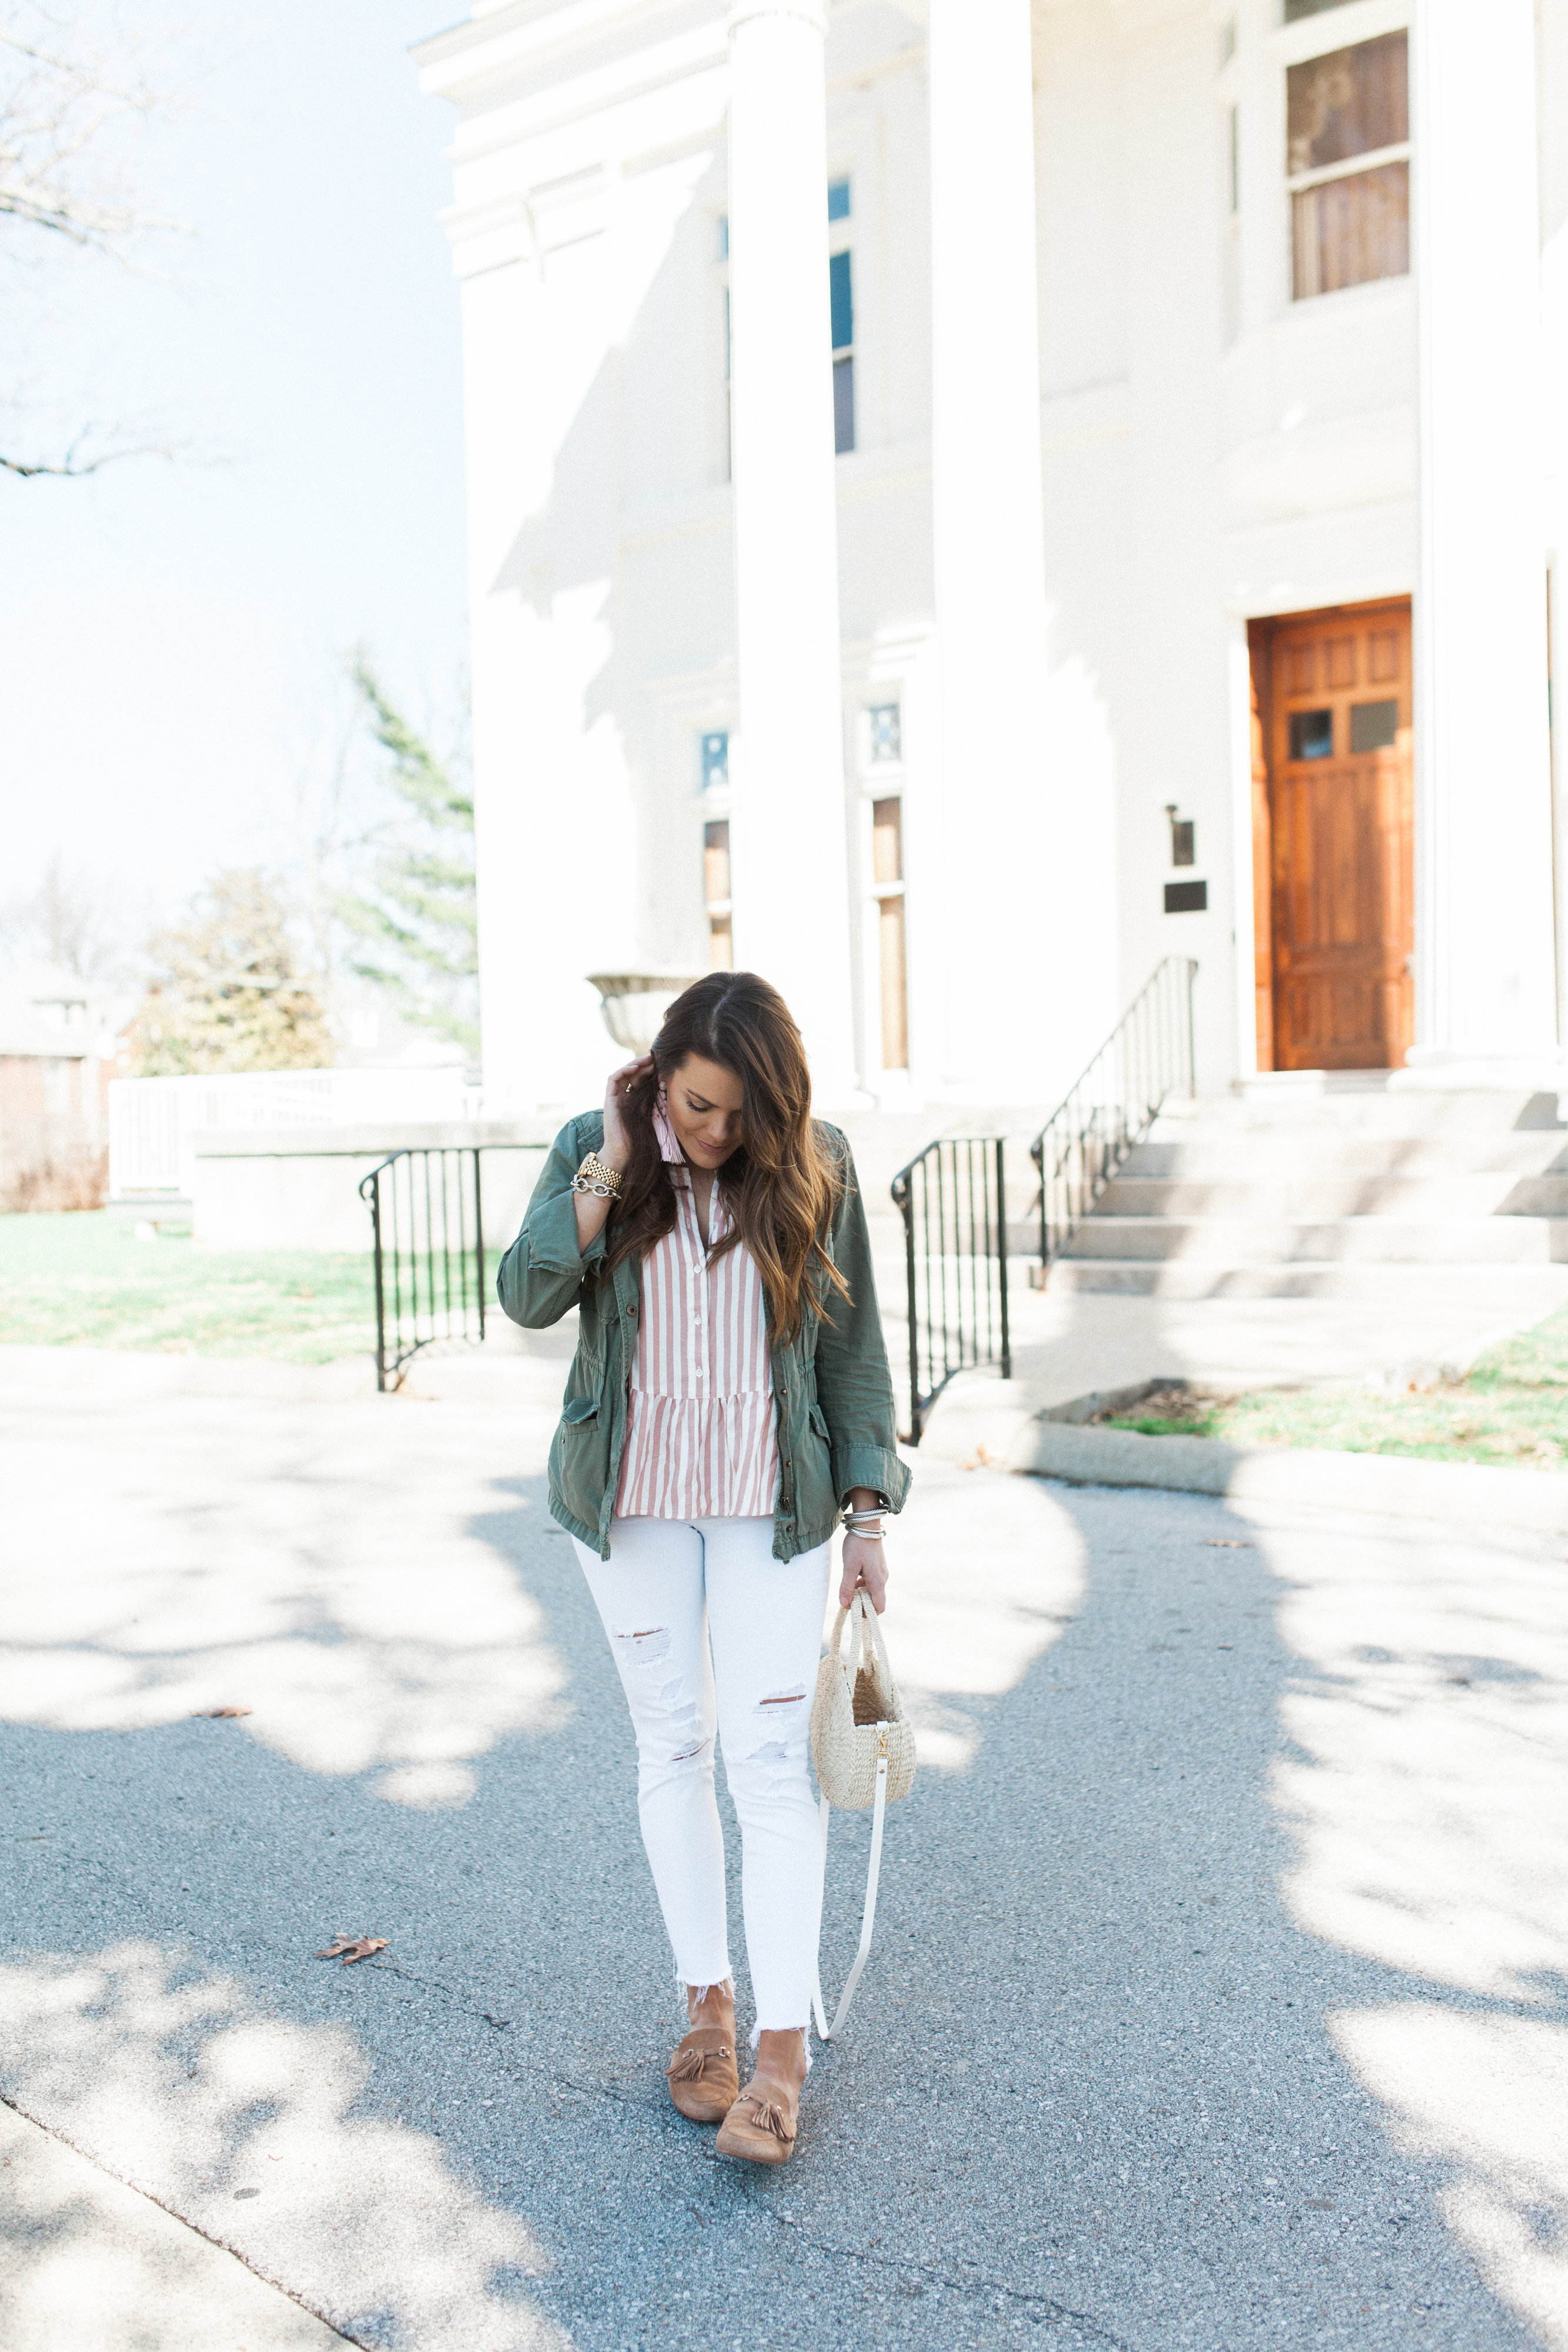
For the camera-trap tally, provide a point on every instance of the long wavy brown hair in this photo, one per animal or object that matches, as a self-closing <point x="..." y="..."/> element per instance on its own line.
<point x="782" y="1184"/>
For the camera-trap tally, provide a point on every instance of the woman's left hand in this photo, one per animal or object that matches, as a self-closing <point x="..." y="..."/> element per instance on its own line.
<point x="864" y="1571"/>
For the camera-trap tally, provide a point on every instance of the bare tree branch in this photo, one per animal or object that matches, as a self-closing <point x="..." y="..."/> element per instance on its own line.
<point x="67" y="105"/>
<point x="73" y="466"/>
<point x="59" y="109"/>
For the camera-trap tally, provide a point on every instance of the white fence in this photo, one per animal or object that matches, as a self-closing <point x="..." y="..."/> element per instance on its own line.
<point x="153" y="1122"/>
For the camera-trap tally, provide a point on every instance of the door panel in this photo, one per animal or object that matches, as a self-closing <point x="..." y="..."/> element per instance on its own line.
<point x="1336" y="725"/>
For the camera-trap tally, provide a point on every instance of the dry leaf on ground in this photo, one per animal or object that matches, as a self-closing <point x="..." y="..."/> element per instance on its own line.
<point x="214" y="1713"/>
<point x="351" y="1948"/>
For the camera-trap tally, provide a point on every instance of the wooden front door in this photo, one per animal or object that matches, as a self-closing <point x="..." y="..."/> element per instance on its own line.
<point x="1333" y="825"/>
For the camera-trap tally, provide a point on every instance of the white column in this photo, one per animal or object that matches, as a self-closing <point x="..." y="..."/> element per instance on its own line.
<point x="1028" y="856"/>
<point x="790" y="871"/>
<point x="1485" y="1004"/>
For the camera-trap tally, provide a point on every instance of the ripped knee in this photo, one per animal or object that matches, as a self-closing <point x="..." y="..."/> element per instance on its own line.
<point x="781" y="1753"/>
<point x="644" y="1648"/>
<point x="669" y="1725"/>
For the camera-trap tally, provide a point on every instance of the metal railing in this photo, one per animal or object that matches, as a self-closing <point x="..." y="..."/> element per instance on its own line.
<point x="953" y="1201"/>
<point x="1146" y="1059"/>
<point x="429" y="1235"/>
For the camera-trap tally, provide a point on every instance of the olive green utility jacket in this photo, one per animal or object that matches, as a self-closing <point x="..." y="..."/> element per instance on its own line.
<point x="832" y="1392"/>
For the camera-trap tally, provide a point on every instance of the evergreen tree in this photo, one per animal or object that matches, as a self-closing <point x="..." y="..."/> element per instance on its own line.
<point x="227" y="993"/>
<point x="415" y="924"/>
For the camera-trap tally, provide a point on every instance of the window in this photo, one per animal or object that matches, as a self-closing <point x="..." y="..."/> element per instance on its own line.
<point x="887" y="882"/>
<point x="1312" y="735"/>
<point x="842" y="309"/>
<point x="883" y="736"/>
<point x="1296" y="8"/>
<point x="716" y="894"/>
<point x="1348" y="165"/>
<point x="715" y="760"/>
<point x="841" y="303"/>
<point x="1374" y="726"/>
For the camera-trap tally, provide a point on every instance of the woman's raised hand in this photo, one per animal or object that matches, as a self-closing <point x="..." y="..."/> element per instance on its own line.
<point x="617" y="1150"/>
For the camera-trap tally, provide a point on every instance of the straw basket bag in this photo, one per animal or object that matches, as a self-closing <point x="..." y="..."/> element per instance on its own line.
<point x="862" y="1745"/>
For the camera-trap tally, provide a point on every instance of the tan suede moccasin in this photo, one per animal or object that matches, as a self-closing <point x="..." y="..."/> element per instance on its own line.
<point x="760" y="2127"/>
<point x="703" y="2075"/>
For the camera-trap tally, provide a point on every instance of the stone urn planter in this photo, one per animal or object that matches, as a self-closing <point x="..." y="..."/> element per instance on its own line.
<point x="634" y="1003"/>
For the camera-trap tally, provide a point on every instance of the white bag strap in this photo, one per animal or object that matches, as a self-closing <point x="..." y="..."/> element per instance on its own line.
<point x="868" y="1916"/>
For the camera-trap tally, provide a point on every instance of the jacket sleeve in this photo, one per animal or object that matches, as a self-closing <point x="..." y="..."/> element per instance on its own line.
<point x="854" y="1388"/>
<point x="540" y="1277"/>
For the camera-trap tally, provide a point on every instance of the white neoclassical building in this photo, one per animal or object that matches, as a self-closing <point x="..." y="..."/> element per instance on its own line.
<point x="967" y="500"/>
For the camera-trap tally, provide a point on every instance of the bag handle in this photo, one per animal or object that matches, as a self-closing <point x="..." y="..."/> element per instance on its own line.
<point x="865" y="1637"/>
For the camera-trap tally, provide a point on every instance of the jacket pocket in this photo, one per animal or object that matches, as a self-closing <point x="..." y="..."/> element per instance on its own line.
<point x="579" y="1409"/>
<point x="820" y="1421"/>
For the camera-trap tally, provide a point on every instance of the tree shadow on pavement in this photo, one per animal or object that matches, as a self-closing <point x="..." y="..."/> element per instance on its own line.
<point x="1132" y="2063"/>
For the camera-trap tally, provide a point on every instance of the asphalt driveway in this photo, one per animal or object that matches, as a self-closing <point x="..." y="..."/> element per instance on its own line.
<point x="1219" y="1994"/>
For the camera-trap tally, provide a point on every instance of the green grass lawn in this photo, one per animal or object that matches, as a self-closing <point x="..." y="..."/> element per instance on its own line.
<point x="85" y="1281"/>
<point x="1512" y="1409"/>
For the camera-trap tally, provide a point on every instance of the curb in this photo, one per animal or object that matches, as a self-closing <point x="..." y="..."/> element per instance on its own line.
<point x="1368" y="1482"/>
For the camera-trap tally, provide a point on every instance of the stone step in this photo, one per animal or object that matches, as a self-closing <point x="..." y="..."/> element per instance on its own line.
<point x="1379" y="1109"/>
<point x="1310" y="1196"/>
<point x="1244" y="1157"/>
<point x="1362" y="1241"/>
<point x="1509" y="1290"/>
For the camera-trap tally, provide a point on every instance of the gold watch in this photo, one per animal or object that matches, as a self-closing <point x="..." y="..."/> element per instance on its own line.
<point x="597" y="1176"/>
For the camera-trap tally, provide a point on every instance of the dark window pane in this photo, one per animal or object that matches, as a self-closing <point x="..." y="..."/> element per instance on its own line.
<point x="838" y="200"/>
<point x="1184" y="841"/>
<point x="1347" y="103"/>
<point x="720" y="944"/>
<point x="1295" y="8"/>
<point x="1374" y="726"/>
<point x="1186" y="897"/>
<point x="1311" y="734"/>
<point x="1348" y="232"/>
<point x="840" y="301"/>
<point x="844" y="405"/>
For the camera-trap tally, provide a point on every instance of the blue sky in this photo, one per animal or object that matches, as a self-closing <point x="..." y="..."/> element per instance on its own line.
<point x="171" y="633"/>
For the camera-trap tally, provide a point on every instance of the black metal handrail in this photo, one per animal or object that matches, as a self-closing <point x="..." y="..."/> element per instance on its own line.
<point x="952" y="1200"/>
<point x="429" y="1238"/>
<point x="1146" y="1059"/>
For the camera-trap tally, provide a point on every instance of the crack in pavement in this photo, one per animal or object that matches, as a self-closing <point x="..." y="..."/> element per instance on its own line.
<point x="935" y="2272"/>
<point x="208" y="2236"/>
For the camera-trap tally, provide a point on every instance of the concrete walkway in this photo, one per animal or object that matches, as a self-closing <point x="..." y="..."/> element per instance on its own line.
<point x="1218" y="1997"/>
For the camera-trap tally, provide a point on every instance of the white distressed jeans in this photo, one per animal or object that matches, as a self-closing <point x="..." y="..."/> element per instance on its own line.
<point x="670" y="1589"/>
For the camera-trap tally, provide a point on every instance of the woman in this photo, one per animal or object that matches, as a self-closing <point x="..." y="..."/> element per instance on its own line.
<point x="728" y="1402"/>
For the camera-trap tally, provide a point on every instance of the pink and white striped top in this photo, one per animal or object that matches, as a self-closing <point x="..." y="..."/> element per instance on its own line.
<point x="701" y="1442"/>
